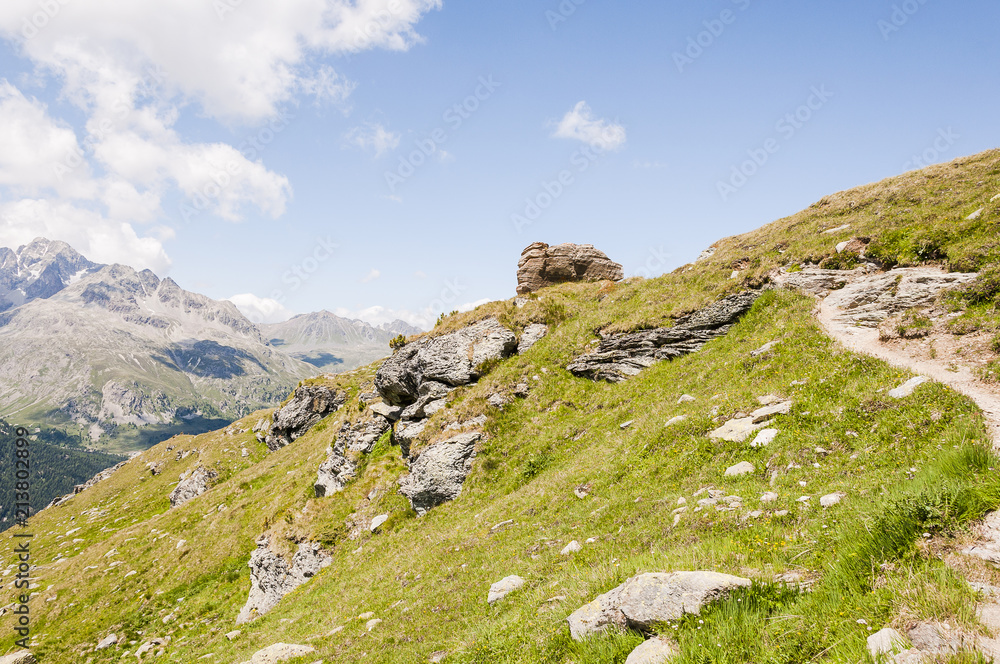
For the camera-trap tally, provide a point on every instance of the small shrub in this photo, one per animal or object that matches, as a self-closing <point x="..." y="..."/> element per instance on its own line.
<point x="485" y="367"/>
<point x="536" y="464"/>
<point x="846" y="260"/>
<point x="995" y="343"/>
<point x="914" y="325"/>
<point x="984" y="290"/>
<point x="399" y="341"/>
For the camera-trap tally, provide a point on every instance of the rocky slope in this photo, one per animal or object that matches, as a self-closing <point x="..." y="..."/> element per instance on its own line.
<point x="725" y="483"/>
<point x="331" y="343"/>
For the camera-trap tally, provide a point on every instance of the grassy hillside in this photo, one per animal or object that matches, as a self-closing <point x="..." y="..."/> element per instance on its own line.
<point x="908" y="467"/>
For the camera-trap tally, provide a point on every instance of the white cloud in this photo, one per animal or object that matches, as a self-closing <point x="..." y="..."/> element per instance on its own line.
<point x="260" y="309"/>
<point x="34" y="145"/>
<point x="371" y="276"/>
<point x="581" y="125"/>
<point x="372" y="137"/>
<point x="94" y="236"/>
<point x="239" y="60"/>
<point x="131" y="71"/>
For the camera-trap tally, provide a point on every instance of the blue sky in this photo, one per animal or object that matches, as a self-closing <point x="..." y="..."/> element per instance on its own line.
<point x="644" y="109"/>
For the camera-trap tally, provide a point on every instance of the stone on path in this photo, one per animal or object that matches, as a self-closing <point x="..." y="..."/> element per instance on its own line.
<point x="504" y="587"/>
<point x="654" y="651"/>
<point x="907" y="388"/>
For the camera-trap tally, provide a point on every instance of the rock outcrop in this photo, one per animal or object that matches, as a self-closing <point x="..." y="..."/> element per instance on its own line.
<point x="354" y="438"/>
<point x="864" y="297"/>
<point x="532" y="334"/>
<point x="192" y="485"/>
<point x="622" y="355"/>
<point x="648" y="599"/>
<point x="542" y="265"/>
<point x="19" y="657"/>
<point x="99" y="477"/>
<point x="438" y="364"/>
<point x="437" y="474"/>
<point x="271" y="577"/>
<point x="309" y="404"/>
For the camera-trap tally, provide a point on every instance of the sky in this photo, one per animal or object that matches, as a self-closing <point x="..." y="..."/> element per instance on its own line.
<point x="388" y="159"/>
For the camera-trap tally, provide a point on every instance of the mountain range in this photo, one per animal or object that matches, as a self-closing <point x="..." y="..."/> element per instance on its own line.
<point x="117" y="354"/>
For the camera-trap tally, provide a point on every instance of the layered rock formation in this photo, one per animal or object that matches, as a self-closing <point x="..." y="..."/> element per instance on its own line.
<point x="619" y="356"/>
<point x="542" y="265"/>
<point x="353" y="439"/>
<point x="192" y="485"/>
<point x="309" y="404"/>
<point x="272" y="577"/>
<point x="437" y="474"/>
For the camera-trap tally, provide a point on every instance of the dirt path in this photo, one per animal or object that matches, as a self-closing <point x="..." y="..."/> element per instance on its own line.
<point x="866" y="340"/>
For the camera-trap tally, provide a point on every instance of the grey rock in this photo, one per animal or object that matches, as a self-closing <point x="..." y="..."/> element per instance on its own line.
<point x="362" y="435"/>
<point x="107" y="642"/>
<point x="769" y="497"/>
<point x="868" y="300"/>
<point x="542" y="265"/>
<point x="280" y="652"/>
<point x="406" y="433"/>
<point x="272" y="577"/>
<point x="437" y="474"/>
<point x="309" y="404"/>
<point x="531" y="335"/>
<point x="450" y="359"/>
<point x="815" y="280"/>
<point x="886" y="641"/>
<point x="571" y="548"/>
<point x="19" y="657"/>
<point x="685" y="398"/>
<point x="742" y="468"/>
<point x="648" y="599"/>
<point x="504" y="587"/>
<point x="521" y="390"/>
<point x="764" y="349"/>
<point x="622" y="355"/>
<point x="497" y="400"/>
<point x="769" y="411"/>
<point x="936" y="639"/>
<point x="231" y="636"/>
<point x="192" y="486"/>
<point x="335" y="472"/>
<point x="908" y="388"/>
<point x="737" y="430"/>
<point x="389" y="412"/>
<point x="378" y="521"/>
<point x="656" y="650"/>
<point x="831" y="499"/>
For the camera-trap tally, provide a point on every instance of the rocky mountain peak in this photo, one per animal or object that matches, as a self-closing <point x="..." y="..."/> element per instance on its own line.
<point x="39" y="270"/>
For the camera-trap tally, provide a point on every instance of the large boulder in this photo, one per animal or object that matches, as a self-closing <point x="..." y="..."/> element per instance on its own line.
<point x="619" y="356"/>
<point x="437" y="474"/>
<point x="309" y="404"/>
<point x="429" y="365"/>
<point x="542" y="265"/>
<point x="648" y="599"/>
<point x="192" y="485"/>
<point x="272" y="577"/>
